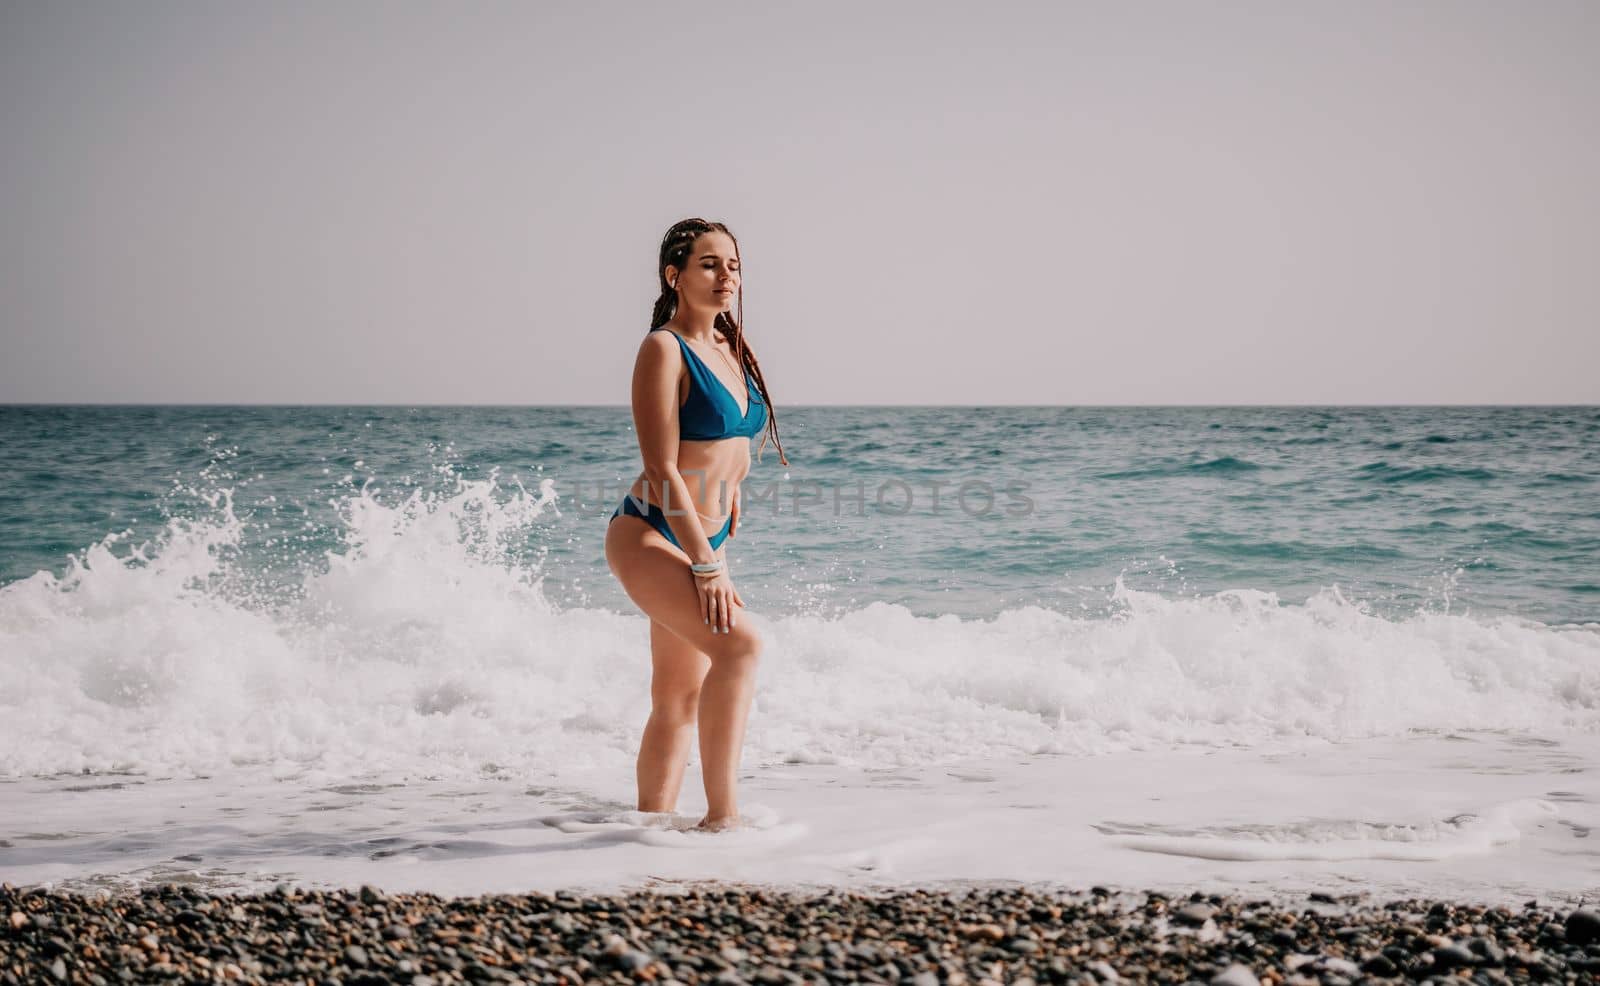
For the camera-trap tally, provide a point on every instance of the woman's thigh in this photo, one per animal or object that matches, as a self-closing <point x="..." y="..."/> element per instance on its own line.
<point x="656" y="576"/>
<point x="677" y="670"/>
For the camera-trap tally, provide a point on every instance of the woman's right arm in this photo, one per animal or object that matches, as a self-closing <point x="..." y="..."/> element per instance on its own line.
<point x="655" y="419"/>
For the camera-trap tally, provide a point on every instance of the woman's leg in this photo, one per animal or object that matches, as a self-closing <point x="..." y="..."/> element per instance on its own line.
<point x="677" y="669"/>
<point x="725" y="697"/>
<point x="655" y="575"/>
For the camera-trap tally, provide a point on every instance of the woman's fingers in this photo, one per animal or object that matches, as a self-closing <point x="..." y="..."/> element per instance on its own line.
<point x="716" y="612"/>
<point x="717" y="606"/>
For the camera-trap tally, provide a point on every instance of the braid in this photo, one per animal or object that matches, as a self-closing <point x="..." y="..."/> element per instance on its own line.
<point x="675" y="249"/>
<point x="747" y="359"/>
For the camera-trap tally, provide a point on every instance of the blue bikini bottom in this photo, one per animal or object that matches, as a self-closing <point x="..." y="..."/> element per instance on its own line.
<point x="655" y="518"/>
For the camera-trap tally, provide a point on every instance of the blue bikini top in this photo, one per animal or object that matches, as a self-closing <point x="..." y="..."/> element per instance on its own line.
<point x="710" y="412"/>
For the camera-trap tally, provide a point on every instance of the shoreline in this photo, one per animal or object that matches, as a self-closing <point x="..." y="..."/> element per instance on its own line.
<point x="732" y="934"/>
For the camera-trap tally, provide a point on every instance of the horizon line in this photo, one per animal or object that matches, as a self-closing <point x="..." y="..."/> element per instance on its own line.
<point x="1129" y="406"/>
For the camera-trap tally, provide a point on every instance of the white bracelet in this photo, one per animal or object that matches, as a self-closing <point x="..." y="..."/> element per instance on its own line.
<point x="709" y="568"/>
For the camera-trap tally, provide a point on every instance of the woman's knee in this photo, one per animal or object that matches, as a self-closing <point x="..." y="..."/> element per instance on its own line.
<point x="680" y="709"/>
<point x="741" y="647"/>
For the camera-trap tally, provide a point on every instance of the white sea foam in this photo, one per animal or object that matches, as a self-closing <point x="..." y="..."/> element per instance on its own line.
<point x="418" y="650"/>
<point x="1453" y="817"/>
<point x="1432" y="840"/>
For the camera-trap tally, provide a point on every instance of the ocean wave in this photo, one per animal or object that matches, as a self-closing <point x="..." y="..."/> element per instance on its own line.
<point x="1224" y="466"/>
<point x="1246" y="547"/>
<point x="419" y="649"/>
<point x="1383" y="472"/>
<point x="1560" y="479"/>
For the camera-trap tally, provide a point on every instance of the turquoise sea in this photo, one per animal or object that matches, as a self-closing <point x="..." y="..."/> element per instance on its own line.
<point x="966" y="511"/>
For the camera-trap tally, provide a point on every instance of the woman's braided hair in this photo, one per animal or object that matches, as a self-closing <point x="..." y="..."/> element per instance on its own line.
<point x="675" y="249"/>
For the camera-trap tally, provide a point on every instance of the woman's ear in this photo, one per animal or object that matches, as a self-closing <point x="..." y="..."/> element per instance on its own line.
<point x="672" y="276"/>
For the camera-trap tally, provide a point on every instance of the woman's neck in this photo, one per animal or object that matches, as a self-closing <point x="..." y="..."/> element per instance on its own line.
<point x="696" y="325"/>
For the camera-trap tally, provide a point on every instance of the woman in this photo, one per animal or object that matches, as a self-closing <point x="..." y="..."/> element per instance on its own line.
<point x="665" y="543"/>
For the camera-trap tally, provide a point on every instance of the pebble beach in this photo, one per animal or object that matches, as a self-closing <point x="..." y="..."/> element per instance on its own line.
<point x="731" y="935"/>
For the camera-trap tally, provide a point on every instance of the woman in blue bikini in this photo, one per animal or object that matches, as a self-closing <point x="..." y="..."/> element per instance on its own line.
<point x="694" y="435"/>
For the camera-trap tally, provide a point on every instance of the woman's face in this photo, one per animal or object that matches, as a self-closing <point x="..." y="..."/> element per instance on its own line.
<point x="710" y="278"/>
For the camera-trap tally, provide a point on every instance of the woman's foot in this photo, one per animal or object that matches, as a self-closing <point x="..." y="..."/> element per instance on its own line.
<point x="721" y="823"/>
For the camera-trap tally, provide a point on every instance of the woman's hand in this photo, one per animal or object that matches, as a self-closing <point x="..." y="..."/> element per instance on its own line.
<point x="718" y="597"/>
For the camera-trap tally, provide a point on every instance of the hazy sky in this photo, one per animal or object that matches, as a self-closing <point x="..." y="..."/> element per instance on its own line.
<point x="1118" y="203"/>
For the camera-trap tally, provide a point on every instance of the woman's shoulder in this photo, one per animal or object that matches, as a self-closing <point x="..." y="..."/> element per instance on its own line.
<point x="659" y="346"/>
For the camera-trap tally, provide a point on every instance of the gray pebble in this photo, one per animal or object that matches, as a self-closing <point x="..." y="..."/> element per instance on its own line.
<point x="1583" y="927"/>
<point x="1341" y="967"/>
<point x="1237" y="974"/>
<point x="1451" y="956"/>
<point x="1487" y="950"/>
<point x="1194" y="915"/>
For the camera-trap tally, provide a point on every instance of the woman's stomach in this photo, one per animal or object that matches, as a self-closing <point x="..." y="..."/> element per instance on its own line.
<point x="712" y="470"/>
